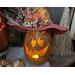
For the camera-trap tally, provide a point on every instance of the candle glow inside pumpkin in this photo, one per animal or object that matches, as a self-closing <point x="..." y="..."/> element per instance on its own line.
<point x="37" y="45"/>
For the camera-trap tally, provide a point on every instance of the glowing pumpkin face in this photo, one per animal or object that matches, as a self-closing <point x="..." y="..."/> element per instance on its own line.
<point x="37" y="46"/>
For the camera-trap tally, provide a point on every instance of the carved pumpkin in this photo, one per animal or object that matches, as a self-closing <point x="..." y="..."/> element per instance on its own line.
<point x="3" y="34"/>
<point x="37" y="43"/>
<point x="37" y="46"/>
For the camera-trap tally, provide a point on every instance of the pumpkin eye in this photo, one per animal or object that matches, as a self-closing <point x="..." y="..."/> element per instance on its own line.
<point x="40" y="42"/>
<point x="33" y="43"/>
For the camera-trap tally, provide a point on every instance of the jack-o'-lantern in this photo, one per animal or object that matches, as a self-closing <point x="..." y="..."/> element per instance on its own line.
<point x="3" y="35"/>
<point x="37" y="23"/>
<point x="37" y="46"/>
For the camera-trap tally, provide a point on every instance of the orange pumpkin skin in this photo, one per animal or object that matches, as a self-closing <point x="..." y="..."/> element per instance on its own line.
<point x="37" y="46"/>
<point x="3" y="34"/>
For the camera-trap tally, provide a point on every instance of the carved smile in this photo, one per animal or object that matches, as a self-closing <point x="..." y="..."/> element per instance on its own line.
<point x="36" y="53"/>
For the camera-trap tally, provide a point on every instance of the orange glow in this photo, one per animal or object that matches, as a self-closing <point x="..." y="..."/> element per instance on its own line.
<point x="36" y="52"/>
<point x="40" y="42"/>
<point x="33" y="43"/>
<point x="35" y="56"/>
<point x="44" y="50"/>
